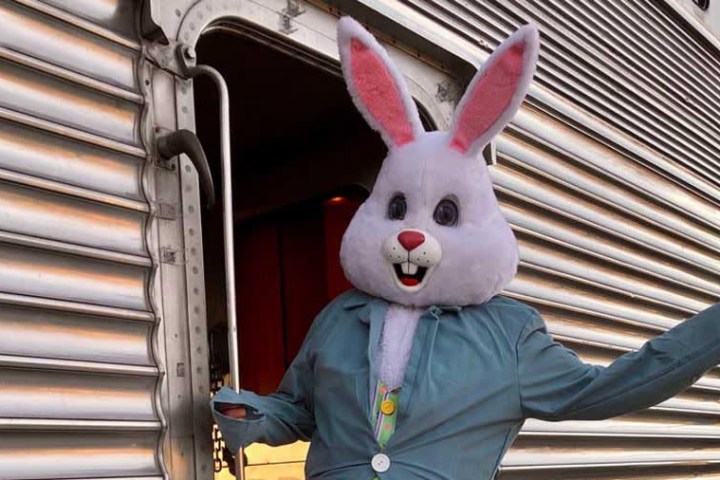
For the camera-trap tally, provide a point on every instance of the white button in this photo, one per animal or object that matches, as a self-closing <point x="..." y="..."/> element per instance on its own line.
<point x="380" y="463"/>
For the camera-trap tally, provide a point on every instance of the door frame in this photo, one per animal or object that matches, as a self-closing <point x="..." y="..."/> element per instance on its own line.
<point x="307" y="33"/>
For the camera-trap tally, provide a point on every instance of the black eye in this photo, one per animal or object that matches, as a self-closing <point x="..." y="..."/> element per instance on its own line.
<point x="397" y="208"/>
<point x="446" y="213"/>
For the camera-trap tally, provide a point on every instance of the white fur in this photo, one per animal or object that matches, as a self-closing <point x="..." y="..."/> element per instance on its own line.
<point x="479" y="256"/>
<point x="395" y="344"/>
<point x="348" y="28"/>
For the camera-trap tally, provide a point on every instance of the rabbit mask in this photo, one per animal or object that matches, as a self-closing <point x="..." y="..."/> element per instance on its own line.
<point x="431" y="232"/>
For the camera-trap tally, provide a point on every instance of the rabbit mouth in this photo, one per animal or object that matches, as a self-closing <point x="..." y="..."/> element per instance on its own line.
<point x="409" y="274"/>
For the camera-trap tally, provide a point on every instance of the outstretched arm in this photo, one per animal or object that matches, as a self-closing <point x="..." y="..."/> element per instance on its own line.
<point x="556" y="385"/>
<point x="281" y="417"/>
<point x="276" y="419"/>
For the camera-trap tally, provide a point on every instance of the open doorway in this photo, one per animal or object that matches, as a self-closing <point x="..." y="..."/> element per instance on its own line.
<point x="303" y="161"/>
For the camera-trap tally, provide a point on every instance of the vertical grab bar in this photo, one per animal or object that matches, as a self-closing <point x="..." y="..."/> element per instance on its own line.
<point x="194" y="71"/>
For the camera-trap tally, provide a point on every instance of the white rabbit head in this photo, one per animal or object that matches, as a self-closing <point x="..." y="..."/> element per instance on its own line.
<point x="431" y="232"/>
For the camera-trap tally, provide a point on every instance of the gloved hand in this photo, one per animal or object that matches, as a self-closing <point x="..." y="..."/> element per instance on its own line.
<point x="231" y="410"/>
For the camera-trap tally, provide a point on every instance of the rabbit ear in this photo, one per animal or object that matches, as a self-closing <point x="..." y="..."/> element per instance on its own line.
<point x="496" y="92"/>
<point x="376" y="86"/>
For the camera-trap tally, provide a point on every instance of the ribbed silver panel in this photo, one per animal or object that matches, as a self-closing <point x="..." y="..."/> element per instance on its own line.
<point x="631" y="63"/>
<point x="568" y="453"/>
<point x="68" y="104"/>
<point x="32" y="455"/>
<point x="53" y="157"/>
<point x="39" y="273"/>
<point x="46" y="38"/>
<point x="115" y="15"/>
<point x="66" y="336"/>
<point x="60" y="217"/>
<point x="29" y="393"/>
<point x="78" y="370"/>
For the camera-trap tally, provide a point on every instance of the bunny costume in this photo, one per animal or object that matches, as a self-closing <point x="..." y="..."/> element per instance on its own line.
<point x="428" y="253"/>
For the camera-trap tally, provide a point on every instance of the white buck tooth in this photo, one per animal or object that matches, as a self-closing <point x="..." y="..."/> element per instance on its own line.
<point x="406" y="268"/>
<point x="413" y="269"/>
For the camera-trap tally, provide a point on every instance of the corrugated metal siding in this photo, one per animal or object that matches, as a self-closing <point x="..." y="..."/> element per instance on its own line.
<point x="117" y="16"/>
<point x="630" y="63"/>
<point x="78" y="372"/>
<point x="609" y="267"/>
<point x="614" y="250"/>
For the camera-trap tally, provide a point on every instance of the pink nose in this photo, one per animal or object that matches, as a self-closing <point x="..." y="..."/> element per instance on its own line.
<point x="410" y="240"/>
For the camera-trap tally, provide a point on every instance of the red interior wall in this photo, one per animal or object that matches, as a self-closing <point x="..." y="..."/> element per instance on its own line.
<point x="288" y="269"/>
<point x="337" y="213"/>
<point x="259" y="305"/>
<point x="304" y="280"/>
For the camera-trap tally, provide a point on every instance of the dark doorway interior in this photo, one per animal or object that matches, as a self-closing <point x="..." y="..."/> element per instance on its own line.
<point x="303" y="160"/>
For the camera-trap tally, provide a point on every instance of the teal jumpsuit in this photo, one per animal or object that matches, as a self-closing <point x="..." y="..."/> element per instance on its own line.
<point x="474" y="375"/>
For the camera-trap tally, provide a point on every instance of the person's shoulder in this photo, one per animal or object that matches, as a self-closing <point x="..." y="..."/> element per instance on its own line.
<point x="335" y="318"/>
<point x="352" y="298"/>
<point x="340" y="307"/>
<point x="348" y="300"/>
<point x="507" y="304"/>
<point x="512" y="315"/>
<point x="507" y="308"/>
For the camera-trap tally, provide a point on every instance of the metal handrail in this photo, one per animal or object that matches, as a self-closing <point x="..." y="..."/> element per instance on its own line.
<point x="194" y="71"/>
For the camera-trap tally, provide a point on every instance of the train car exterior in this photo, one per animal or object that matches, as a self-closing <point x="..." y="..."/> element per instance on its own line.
<point x="608" y="175"/>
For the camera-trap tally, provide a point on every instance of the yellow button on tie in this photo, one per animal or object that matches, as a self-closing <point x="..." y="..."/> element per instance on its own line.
<point x="387" y="407"/>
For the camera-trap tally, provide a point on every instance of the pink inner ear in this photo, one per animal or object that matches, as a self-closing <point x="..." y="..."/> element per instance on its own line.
<point x="490" y="97"/>
<point x="379" y="92"/>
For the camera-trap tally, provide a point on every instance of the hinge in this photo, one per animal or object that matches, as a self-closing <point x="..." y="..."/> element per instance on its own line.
<point x="166" y="211"/>
<point x="170" y="256"/>
<point x="173" y="57"/>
